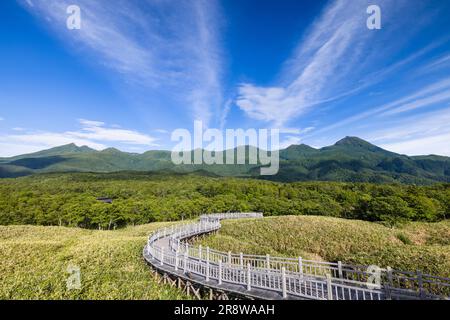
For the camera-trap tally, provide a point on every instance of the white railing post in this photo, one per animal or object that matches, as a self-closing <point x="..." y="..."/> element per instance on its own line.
<point x="268" y="261"/>
<point x="300" y="267"/>
<point x="249" y="277"/>
<point x="329" y="287"/>
<point x="207" y="264"/>
<point x="340" y="269"/>
<point x="185" y="262"/>
<point x="241" y="260"/>
<point x="176" y="260"/>
<point x="220" y="272"/>
<point x="229" y="258"/>
<point x="162" y="256"/>
<point x="389" y="285"/>
<point x="283" y="281"/>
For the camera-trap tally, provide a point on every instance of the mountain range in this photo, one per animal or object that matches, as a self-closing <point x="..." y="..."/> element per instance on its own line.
<point x="350" y="159"/>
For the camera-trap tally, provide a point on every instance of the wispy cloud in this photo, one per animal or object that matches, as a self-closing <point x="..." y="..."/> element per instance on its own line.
<point x="168" y="46"/>
<point x="427" y="133"/>
<point x="95" y="134"/>
<point x="420" y="103"/>
<point x="97" y="131"/>
<point x="337" y="57"/>
<point x="430" y="94"/>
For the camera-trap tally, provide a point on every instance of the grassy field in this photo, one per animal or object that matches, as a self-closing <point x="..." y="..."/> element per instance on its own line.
<point x="35" y="260"/>
<point x="415" y="246"/>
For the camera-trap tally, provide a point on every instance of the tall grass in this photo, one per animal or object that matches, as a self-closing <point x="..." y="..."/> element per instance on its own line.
<point x="35" y="260"/>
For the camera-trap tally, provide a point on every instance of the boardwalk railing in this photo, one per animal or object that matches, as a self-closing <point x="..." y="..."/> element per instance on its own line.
<point x="291" y="277"/>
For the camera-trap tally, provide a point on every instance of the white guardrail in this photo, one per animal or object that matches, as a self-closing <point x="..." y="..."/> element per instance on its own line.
<point x="291" y="277"/>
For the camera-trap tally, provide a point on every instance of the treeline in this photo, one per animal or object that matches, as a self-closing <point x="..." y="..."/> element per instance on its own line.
<point x="70" y="199"/>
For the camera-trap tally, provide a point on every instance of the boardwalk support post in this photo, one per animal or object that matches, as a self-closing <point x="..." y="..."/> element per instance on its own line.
<point x="249" y="278"/>
<point x="329" y="287"/>
<point x="283" y="282"/>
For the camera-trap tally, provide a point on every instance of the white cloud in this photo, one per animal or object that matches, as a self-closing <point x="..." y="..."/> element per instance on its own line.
<point x="437" y="145"/>
<point x="90" y="123"/>
<point x="337" y="57"/>
<point x="420" y="103"/>
<point x="95" y="130"/>
<point x="225" y="111"/>
<point x="319" y="62"/>
<point x="94" y="134"/>
<point x="168" y="46"/>
<point x="289" y="141"/>
<point x="433" y="93"/>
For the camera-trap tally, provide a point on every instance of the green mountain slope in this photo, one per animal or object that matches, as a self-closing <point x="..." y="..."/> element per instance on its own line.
<point x="350" y="159"/>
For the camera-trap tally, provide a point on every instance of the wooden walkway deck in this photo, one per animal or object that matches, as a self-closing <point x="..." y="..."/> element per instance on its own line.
<point x="266" y="277"/>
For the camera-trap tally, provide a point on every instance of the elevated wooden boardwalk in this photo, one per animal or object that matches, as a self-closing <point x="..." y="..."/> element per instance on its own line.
<point x="225" y="275"/>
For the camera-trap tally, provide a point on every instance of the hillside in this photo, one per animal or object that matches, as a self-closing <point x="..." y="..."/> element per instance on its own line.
<point x="415" y="246"/>
<point x="350" y="160"/>
<point x="110" y="262"/>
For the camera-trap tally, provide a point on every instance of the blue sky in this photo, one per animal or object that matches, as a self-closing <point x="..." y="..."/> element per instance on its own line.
<point x="137" y="70"/>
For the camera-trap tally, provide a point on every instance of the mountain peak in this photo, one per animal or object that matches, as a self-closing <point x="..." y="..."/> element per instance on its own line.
<point x="67" y="148"/>
<point x="353" y="141"/>
<point x="111" y="150"/>
<point x="300" y="147"/>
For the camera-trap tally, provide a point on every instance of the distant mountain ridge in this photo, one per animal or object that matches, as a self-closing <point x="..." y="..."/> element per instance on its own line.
<point x="350" y="159"/>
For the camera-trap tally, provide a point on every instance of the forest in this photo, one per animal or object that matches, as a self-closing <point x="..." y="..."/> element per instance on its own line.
<point x="71" y="199"/>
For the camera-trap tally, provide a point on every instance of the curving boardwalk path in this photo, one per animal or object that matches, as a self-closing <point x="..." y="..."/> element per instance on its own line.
<point x="266" y="277"/>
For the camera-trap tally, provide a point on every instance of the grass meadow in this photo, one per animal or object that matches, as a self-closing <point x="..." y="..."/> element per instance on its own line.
<point x="35" y="259"/>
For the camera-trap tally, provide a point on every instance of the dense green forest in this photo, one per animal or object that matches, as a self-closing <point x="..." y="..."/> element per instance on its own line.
<point x="71" y="199"/>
